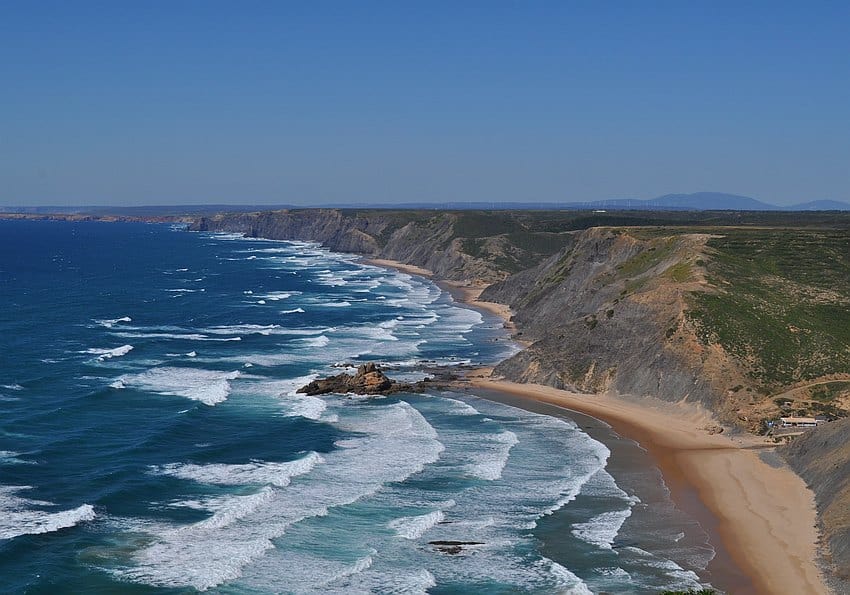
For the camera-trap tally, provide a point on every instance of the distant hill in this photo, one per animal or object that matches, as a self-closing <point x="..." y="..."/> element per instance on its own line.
<point x="710" y="201"/>
<point x="820" y="205"/>
<point x="698" y="201"/>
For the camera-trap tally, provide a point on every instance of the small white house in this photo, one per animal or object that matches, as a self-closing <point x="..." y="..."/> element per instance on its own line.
<point x="798" y="422"/>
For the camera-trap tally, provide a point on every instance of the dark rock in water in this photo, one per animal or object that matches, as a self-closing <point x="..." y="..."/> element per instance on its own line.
<point x="452" y="547"/>
<point x="368" y="380"/>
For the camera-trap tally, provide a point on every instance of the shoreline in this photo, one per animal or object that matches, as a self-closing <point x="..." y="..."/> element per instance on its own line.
<point x="762" y="516"/>
<point x="461" y="293"/>
<point x="761" y="519"/>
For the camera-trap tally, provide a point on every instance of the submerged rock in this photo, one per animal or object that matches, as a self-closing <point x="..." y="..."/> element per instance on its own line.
<point x="453" y="547"/>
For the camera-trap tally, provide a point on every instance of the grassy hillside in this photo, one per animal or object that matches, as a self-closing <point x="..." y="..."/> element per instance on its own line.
<point x="783" y="302"/>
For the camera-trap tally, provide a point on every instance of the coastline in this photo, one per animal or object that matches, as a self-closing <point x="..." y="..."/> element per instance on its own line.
<point x="464" y="294"/>
<point x="761" y="518"/>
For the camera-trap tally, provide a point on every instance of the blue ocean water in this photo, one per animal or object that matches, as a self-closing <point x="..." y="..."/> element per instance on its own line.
<point x="151" y="439"/>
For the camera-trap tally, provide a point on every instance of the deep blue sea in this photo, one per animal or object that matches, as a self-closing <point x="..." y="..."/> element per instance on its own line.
<point x="151" y="439"/>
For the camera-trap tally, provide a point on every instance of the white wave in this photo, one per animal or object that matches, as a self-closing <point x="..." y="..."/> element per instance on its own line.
<point x="330" y="279"/>
<point x="230" y="509"/>
<point x="681" y="578"/>
<point x="17" y="517"/>
<point x="458" y="407"/>
<point x="12" y="387"/>
<point x="413" y="527"/>
<point x="255" y="473"/>
<point x="107" y="353"/>
<point x="320" y="341"/>
<point x="110" y="322"/>
<point x="568" y="583"/>
<point x="340" y="304"/>
<point x="10" y="457"/>
<point x="274" y="296"/>
<point x="207" y="386"/>
<point x="307" y="407"/>
<point x="493" y="459"/>
<point x="379" y="333"/>
<point x="242" y="329"/>
<point x="360" y="565"/>
<point x="602" y="529"/>
<point x="173" y="336"/>
<point x="185" y="290"/>
<point x="293" y="311"/>
<point x="192" y="354"/>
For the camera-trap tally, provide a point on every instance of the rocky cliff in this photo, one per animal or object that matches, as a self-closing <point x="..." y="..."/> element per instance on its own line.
<point x="609" y="313"/>
<point x="467" y="247"/>
<point x="822" y="458"/>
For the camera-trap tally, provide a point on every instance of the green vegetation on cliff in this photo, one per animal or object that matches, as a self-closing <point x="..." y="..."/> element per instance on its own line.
<point x="781" y="304"/>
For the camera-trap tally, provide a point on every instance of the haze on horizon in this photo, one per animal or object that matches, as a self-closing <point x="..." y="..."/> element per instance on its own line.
<point x="303" y="103"/>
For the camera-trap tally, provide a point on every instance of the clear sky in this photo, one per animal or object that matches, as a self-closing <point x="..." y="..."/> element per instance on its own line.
<point x="309" y="101"/>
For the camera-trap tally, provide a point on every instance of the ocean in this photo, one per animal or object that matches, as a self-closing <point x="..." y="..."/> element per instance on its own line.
<point x="151" y="439"/>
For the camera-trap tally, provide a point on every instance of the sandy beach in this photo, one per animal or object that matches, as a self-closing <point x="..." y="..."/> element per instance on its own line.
<point x="763" y="518"/>
<point x="765" y="515"/>
<point x="462" y="293"/>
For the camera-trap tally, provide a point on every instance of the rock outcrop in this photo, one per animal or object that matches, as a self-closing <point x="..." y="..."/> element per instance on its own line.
<point x="368" y="380"/>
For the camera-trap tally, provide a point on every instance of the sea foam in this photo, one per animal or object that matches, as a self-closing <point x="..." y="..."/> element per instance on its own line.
<point x="255" y="473"/>
<point x="104" y="354"/>
<point x="210" y="387"/>
<point x="17" y="517"/>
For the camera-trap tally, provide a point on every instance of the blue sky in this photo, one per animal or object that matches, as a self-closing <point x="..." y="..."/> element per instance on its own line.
<point x="304" y="102"/>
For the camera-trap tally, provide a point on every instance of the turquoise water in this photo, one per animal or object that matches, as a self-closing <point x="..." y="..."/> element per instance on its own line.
<point x="151" y="439"/>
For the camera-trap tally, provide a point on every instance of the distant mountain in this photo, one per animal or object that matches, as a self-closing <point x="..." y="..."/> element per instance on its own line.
<point x="698" y="201"/>
<point x="820" y="205"/>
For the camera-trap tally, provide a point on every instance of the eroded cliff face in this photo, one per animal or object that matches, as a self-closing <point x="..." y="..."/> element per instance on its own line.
<point x="822" y="458"/>
<point x="609" y="314"/>
<point x="327" y="226"/>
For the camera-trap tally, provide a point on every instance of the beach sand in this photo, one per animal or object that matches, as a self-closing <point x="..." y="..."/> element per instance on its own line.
<point x="762" y="516"/>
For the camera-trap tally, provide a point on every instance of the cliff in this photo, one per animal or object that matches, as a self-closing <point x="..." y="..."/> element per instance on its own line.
<point x="469" y="247"/>
<point x="822" y="458"/>
<point x="745" y="321"/>
<point x="609" y="314"/>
